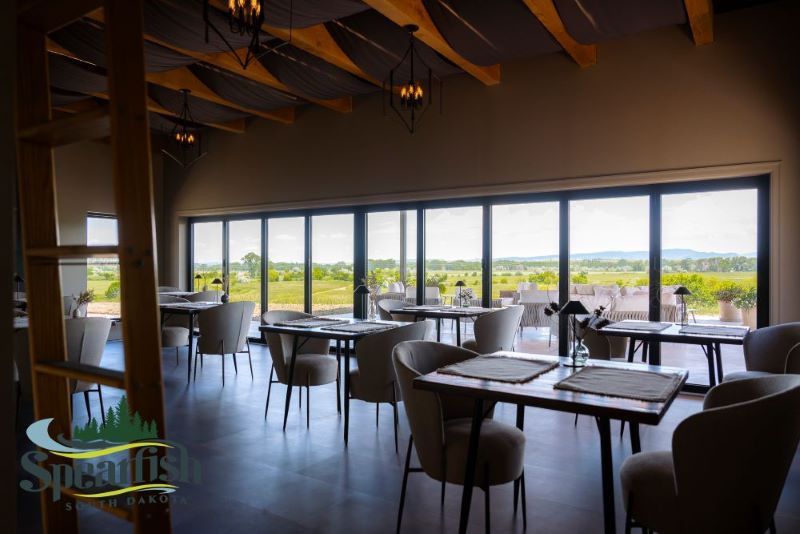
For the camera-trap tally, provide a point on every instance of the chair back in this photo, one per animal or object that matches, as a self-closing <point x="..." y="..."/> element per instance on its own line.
<point x="223" y="328"/>
<point x="534" y="296"/>
<point x="793" y="360"/>
<point x="732" y="459"/>
<point x="86" y="340"/>
<point x="767" y="349"/>
<point x="411" y="292"/>
<point x="387" y="306"/>
<point x="280" y="345"/>
<point x="427" y="411"/>
<point x="376" y="376"/>
<point x="169" y="299"/>
<point x="163" y="289"/>
<point x="396" y="287"/>
<point x="496" y="330"/>
<point x="204" y="296"/>
<point x="527" y="286"/>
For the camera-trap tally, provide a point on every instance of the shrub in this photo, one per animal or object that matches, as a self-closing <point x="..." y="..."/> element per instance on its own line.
<point x="727" y="291"/>
<point x="746" y="299"/>
<point x="112" y="291"/>
<point x="580" y="278"/>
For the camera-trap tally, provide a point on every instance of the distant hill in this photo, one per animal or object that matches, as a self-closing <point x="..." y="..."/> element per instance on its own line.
<point x="668" y="254"/>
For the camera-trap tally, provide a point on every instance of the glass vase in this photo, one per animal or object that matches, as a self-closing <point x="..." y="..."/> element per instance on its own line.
<point x="372" y="309"/>
<point x="578" y="355"/>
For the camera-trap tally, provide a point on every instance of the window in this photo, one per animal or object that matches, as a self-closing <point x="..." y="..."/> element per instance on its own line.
<point x="286" y="268"/>
<point x="102" y="274"/>
<point x="392" y="249"/>
<point x="453" y="251"/>
<point x="332" y="264"/>
<point x="244" y="262"/>
<point x="207" y="255"/>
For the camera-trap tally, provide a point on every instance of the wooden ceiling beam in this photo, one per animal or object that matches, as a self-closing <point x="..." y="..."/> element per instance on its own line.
<point x="545" y="11"/>
<point x="49" y="15"/>
<point x="255" y="71"/>
<point x="701" y="20"/>
<point x="403" y="12"/>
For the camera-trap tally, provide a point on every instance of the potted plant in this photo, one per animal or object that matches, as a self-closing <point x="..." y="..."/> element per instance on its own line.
<point x="746" y="303"/>
<point x="82" y="303"/>
<point x="725" y="293"/>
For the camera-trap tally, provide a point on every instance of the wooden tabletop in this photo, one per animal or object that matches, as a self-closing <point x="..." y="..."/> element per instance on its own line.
<point x="445" y="312"/>
<point x="540" y="392"/>
<point x="323" y="332"/>
<point x="672" y="334"/>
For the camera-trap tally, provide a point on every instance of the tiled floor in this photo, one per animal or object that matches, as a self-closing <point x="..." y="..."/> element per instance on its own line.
<point x="256" y="478"/>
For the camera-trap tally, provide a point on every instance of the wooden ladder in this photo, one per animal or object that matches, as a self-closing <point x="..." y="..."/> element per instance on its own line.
<point x="125" y="120"/>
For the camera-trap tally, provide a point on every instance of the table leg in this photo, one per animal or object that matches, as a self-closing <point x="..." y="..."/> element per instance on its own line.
<point x="645" y="347"/>
<point x="472" y="459"/>
<point x="631" y="349"/>
<point x="458" y="331"/>
<point x="438" y="330"/>
<point x="609" y="519"/>
<point x="346" y="390"/>
<point x="338" y="370"/>
<point x="191" y="349"/>
<point x="521" y="426"/>
<point x="636" y="444"/>
<point x="718" y="350"/>
<point x="291" y="381"/>
<point x="712" y="378"/>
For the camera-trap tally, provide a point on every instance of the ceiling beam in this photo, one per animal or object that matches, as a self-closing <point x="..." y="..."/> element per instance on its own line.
<point x="545" y="11"/>
<point x="403" y="12"/>
<point x="255" y="71"/>
<point x="701" y="20"/>
<point x="49" y="16"/>
<point x="315" y="40"/>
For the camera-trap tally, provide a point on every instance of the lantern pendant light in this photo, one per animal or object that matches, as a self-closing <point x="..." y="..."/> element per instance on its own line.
<point x="185" y="137"/>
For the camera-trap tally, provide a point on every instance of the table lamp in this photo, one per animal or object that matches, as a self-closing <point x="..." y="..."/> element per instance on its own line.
<point x="197" y="279"/>
<point x="362" y="290"/>
<point x="682" y="292"/>
<point x="460" y="284"/>
<point x="573" y="308"/>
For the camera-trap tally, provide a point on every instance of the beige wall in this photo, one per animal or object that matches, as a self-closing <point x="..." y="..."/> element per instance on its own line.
<point x="653" y="102"/>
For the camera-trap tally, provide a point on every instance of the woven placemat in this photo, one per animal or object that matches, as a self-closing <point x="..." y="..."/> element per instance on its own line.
<point x="639" y="326"/>
<point x="715" y="330"/>
<point x="310" y="322"/>
<point x="359" y="328"/>
<point x="634" y="384"/>
<point x="500" y="368"/>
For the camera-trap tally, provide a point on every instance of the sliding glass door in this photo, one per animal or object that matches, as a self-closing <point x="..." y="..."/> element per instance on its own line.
<point x="286" y="245"/>
<point x="244" y="262"/>
<point x="332" y="264"/>
<point x="207" y="254"/>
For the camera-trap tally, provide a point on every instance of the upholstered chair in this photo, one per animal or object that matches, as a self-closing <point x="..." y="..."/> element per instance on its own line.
<point x="495" y="330"/>
<point x="728" y="463"/>
<point x="175" y="329"/>
<point x="374" y="379"/>
<point x="86" y="341"/>
<point x="166" y="289"/>
<point x="766" y="351"/>
<point x="223" y="330"/>
<point x="441" y="424"/>
<point x="314" y="365"/>
<point x="387" y="311"/>
<point x="205" y="296"/>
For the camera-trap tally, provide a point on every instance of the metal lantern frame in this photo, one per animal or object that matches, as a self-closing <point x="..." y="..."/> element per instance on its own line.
<point x="255" y="48"/>
<point x="411" y="116"/>
<point x="185" y="155"/>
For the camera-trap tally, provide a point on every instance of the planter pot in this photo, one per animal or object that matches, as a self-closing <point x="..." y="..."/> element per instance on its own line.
<point x="749" y="318"/>
<point x="728" y="313"/>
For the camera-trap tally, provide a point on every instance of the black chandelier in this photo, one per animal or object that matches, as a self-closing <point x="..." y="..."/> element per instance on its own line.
<point x="185" y="138"/>
<point x="411" y="99"/>
<point x="245" y="17"/>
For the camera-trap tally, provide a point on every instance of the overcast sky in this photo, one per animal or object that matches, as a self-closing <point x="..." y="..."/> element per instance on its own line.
<point x="722" y="221"/>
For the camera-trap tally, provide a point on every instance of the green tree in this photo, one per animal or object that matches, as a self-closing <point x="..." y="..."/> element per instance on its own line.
<point x="112" y="291"/>
<point x="252" y="263"/>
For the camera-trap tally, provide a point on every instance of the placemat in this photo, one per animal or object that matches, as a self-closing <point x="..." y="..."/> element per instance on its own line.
<point x="648" y="386"/>
<point x="310" y="322"/>
<point x="639" y="326"/>
<point x="715" y="330"/>
<point x="190" y="305"/>
<point x="500" y="368"/>
<point x="358" y="328"/>
<point x="422" y="308"/>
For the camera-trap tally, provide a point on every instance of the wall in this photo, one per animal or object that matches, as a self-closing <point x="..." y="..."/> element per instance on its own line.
<point x="653" y="102"/>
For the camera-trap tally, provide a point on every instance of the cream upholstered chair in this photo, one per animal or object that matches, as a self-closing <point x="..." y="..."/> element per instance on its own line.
<point x="495" y="331"/>
<point x="204" y="296"/>
<point x="86" y="341"/>
<point x="728" y="463"/>
<point x="766" y="351"/>
<point x="387" y="307"/>
<point x="433" y="296"/>
<point x="374" y="379"/>
<point x="314" y="365"/>
<point x="175" y="329"/>
<point x="223" y="330"/>
<point x="441" y="425"/>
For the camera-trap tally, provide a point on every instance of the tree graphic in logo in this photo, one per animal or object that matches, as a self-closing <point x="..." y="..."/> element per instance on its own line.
<point x="120" y="426"/>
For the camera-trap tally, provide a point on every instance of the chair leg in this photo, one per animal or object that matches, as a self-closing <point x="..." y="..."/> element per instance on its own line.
<point x="444" y="479"/>
<point x="524" y="501"/>
<point x="286" y="406"/>
<point x="308" y="402"/>
<point x="195" y="364"/>
<point x="338" y="391"/>
<point x="405" y="484"/>
<point x="377" y="407"/>
<point x="576" y="420"/>
<point x="772" y="529"/>
<point x="488" y="508"/>
<point x="177" y="361"/>
<point x="201" y="359"/>
<point x="621" y="428"/>
<point x="102" y="408"/>
<point x="235" y="367"/>
<point x="250" y="360"/>
<point x="86" y="400"/>
<point x="223" y="370"/>
<point x="300" y="398"/>
<point x="394" y="413"/>
<point x="269" y="390"/>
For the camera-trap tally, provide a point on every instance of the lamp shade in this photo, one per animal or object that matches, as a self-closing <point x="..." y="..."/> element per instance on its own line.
<point x="573" y="307"/>
<point x="362" y="290"/>
<point x="682" y="291"/>
<point x="198" y="277"/>
<point x="216" y="281"/>
<point x="460" y="283"/>
<point x="18" y="279"/>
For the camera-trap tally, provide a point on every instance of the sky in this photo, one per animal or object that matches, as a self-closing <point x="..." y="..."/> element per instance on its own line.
<point x="101" y="231"/>
<point x="723" y="221"/>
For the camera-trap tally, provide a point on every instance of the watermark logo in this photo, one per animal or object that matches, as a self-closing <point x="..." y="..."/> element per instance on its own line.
<point x="103" y="465"/>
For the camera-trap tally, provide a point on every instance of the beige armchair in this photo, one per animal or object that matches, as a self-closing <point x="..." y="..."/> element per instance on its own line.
<point x="223" y="330"/>
<point x="86" y="341"/>
<point x="374" y="379"/>
<point x="767" y="351"/>
<point x="205" y="296"/>
<point x="387" y="308"/>
<point x="728" y="463"/>
<point x="495" y="331"/>
<point x="175" y="329"/>
<point x="314" y="366"/>
<point x="441" y="425"/>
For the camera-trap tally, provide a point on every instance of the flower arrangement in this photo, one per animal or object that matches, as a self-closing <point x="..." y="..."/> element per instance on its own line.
<point x="465" y="294"/>
<point x="594" y="320"/>
<point x="371" y="282"/>
<point x="84" y="297"/>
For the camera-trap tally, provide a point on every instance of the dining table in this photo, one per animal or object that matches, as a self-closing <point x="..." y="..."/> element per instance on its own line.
<point x="343" y="330"/>
<point x="438" y="313"/>
<point x="543" y="391"/>
<point x="191" y="310"/>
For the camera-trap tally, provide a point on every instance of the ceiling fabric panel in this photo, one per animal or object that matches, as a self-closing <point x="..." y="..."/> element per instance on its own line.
<point x="243" y="91"/>
<point x="486" y="33"/>
<point x="309" y="12"/>
<point x="202" y="110"/>
<point x="180" y="23"/>
<point x="87" y="41"/>
<point x="312" y="77"/>
<point x="593" y="21"/>
<point x="60" y="97"/>
<point x="71" y="75"/>
<point x="377" y="45"/>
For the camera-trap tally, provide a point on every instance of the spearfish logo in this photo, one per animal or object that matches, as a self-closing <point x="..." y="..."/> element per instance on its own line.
<point x="99" y="479"/>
